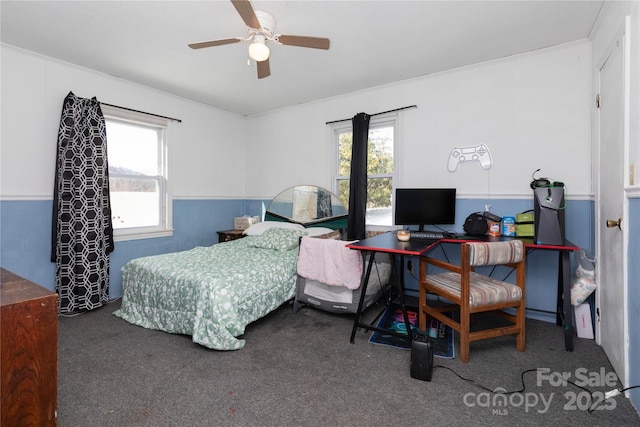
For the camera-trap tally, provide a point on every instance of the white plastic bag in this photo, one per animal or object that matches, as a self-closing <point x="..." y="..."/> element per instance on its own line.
<point x="585" y="281"/>
<point x="581" y="289"/>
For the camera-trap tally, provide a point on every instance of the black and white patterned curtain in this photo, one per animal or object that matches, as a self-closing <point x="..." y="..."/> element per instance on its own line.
<point x="82" y="232"/>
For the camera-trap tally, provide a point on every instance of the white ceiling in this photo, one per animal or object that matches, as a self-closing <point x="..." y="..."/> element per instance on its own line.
<point x="372" y="42"/>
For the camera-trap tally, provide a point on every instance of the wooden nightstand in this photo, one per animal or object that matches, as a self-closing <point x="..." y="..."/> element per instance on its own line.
<point x="229" y="235"/>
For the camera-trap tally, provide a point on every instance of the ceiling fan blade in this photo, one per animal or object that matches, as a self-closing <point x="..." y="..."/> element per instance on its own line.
<point x="213" y="43"/>
<point x="246" y="12"/>
<point x="303" y="41"/>
<point x="263" y="69"/>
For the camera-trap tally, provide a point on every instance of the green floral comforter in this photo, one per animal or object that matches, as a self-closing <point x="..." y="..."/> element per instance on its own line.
<point x="211" y="293"/>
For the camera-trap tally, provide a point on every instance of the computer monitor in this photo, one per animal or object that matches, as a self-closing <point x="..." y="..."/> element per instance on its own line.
<point x="425" y="206"/>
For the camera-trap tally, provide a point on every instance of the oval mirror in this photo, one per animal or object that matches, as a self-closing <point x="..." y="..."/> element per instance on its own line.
<point x="308" y="205"/>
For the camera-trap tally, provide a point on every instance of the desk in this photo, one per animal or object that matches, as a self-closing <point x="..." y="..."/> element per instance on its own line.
<point x="388" y="243"/>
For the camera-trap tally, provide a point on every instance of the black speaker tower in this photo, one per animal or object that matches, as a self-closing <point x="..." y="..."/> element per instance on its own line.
<point x="549" y="204"/>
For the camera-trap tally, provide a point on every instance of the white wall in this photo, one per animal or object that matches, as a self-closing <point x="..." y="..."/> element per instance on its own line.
<point x="532" y="110"/>
<point x="207" y="150"/>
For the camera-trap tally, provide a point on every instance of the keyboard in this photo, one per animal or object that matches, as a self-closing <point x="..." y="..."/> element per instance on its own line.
<point x="437" y="235"/>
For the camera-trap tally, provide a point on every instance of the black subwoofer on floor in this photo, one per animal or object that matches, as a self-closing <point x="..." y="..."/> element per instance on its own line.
<point x="421" y="357"/>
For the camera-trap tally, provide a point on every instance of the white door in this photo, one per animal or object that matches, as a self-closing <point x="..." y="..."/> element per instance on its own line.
<point x="611" y="294"/>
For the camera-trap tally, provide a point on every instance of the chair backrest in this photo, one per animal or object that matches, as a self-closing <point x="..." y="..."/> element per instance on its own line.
<point x="495" y="253"/>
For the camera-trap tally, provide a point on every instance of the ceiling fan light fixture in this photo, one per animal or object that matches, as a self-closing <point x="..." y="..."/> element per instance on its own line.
<point x="258" y="49"/>
<point x="260" y="29"/>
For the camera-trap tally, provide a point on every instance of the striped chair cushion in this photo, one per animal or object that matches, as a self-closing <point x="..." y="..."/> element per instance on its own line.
<point x="483" y="290"/>
<point x="493" y="253"/>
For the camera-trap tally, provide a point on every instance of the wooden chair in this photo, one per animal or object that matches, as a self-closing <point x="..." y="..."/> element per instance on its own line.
<point x="469" y="292"/>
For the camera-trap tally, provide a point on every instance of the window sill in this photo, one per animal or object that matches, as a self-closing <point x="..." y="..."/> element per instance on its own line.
<point x="123" y="236"/>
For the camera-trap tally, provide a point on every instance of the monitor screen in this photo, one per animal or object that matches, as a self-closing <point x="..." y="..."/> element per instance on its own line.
<point x="425" y="206"/>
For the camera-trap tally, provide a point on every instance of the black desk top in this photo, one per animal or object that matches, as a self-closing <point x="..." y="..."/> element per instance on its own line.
<point x="388" y="242"/>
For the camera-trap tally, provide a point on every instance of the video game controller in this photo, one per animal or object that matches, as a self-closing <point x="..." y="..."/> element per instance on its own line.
<point x="479" y="153"/>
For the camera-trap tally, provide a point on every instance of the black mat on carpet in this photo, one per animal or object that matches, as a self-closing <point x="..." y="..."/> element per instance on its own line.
<point x="393" y="320"/>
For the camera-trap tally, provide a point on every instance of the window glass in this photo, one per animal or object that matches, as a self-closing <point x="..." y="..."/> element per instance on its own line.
<point x="380" y="170"/>
<point x="137" y="179"/>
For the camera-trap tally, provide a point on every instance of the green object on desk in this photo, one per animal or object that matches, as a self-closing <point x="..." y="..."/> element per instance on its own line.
<point x="525" y="224"/>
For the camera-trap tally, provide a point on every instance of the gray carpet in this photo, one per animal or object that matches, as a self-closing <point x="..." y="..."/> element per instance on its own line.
<point x="300" y="369"/>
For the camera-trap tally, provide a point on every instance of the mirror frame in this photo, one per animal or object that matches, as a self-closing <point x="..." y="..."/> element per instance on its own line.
<point x="304" y="205"/>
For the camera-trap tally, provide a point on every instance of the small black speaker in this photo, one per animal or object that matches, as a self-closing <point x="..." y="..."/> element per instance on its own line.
<point x="421" y="357"/>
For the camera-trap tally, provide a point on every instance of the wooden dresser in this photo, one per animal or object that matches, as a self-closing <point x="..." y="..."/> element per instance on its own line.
<point x="28" y="352"/>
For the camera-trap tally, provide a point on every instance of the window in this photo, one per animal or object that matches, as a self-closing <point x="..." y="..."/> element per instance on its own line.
<point x="136" y="149"/>
<point x="381" y="172"/>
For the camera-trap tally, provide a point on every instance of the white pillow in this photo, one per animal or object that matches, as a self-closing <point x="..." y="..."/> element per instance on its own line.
<point x="318" y="231"/>
<point x="259" y="227"/>
<point x="323" y="233"/>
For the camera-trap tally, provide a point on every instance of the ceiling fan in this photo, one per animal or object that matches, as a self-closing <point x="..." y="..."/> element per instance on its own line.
<point x="260" y="30"/>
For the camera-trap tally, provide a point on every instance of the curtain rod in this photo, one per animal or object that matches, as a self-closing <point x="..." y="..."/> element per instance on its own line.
<point x="376" y="114"/>
<point x="142" y="112"/>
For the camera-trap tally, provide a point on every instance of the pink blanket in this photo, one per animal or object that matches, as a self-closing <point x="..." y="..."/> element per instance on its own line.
<point x="330" y="262"/>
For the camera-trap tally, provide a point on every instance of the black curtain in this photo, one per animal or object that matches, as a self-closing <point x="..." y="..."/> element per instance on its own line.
<point x="82" y="232"/>
<point x="358" y="177"/>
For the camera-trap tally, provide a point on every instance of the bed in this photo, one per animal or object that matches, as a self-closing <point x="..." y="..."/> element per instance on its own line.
<point x="212" y="293"/>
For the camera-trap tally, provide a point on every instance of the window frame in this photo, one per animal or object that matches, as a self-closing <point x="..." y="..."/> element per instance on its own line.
<point x="387" y="120"/>
<point x="165" y="226"/>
